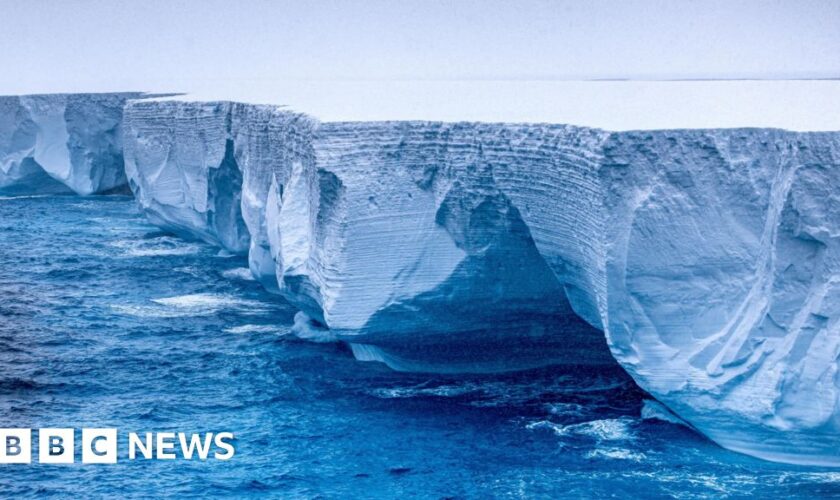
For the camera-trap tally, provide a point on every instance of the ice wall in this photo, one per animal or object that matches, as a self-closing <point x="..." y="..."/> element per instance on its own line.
<point x="468" y="241"/>
<point x="62" y="143"/>
<point x="723" y="282"/>
<point x="708" y="259"/>
<point x="313" y="211"/>
<point x="205" y="169"/>
<point x="424" y="238"/>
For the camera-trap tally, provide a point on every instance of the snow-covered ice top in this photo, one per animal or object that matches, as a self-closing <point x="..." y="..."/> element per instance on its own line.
<point x="800" y="105"/>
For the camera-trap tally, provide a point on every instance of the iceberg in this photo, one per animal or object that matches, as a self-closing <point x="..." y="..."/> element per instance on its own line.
<point x="706" y="259"/>
<point x="62" y="143"/>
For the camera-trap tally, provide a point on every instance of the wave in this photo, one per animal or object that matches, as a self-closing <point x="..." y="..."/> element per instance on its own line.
<point x="156" y="247"/>
<point x="421" y="390"/>
<point x="271" y="329"/>
<point x="196" y="304"/>
<point x="194" y="271"/>
<point x="508" y="393"/>
<point x="566" y="409"/>
<point x="817" y="477"/>
<point x="26" y="197"/>
<point x="148" y="311"/>
<point x="239" y="273"/>
<point x="610" y="429"/>
<point x="616" y="453"/>
<point x="17" y="384"/>
<point x="208" y="301"/>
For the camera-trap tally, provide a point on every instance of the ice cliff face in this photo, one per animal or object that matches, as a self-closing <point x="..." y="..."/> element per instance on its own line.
<point x="723" y="282"/>
<point x="205" y="169"/>
<point x="61" y="142"/>
<point x="430" y="234"/>
<point x="708" y="258"/>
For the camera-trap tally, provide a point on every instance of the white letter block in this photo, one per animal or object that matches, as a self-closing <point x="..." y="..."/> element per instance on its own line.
<point x="56" y="446"/>
<point x="15" y="446"/>
<point x="99" y="446"/>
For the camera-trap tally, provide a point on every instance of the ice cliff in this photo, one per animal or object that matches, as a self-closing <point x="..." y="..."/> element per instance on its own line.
<point x="723" y="282"/>
<point x="314" y="210"/>
<point x="708" y="258"/>
<point x="205" y="170"/>
<point x="62" y="143"/>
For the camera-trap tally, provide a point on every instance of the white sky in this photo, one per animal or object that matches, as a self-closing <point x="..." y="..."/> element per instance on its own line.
<point x="116" y="44"/>
<point x="311" y="54"/>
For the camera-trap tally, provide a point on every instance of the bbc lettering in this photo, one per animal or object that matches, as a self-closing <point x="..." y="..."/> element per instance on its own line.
<point x="99" y="446"/>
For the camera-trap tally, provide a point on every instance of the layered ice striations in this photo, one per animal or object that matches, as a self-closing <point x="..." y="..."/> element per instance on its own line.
<point x="709" y="259"/>
<point x="406" y="246"/>
<point x="205" y="169"/>
<point x="465" y="250"/>
<point x="62" y="143"/>
<point x="423" y="243"/>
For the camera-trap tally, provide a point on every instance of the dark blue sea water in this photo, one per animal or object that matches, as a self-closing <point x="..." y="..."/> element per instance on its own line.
<point x="107" y="322"/>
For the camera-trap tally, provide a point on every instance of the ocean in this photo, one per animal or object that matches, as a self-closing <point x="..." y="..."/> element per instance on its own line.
<point x="107" y="322"/>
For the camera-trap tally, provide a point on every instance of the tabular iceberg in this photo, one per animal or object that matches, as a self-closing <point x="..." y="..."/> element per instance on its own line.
<point x="706" y="261"/>
<point x="709" y="258"/>
<point x="62" y="143"/>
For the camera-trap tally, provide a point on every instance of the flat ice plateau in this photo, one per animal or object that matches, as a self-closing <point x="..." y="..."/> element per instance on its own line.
<point x="799" y="105"/>
<point x="708" y="258"/>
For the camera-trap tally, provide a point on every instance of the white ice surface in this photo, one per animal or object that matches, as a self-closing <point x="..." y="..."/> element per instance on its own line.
<point x="802" y="105"/>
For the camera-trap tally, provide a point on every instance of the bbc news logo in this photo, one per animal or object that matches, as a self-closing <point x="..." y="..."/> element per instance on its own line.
<point x="99" y="446"/>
